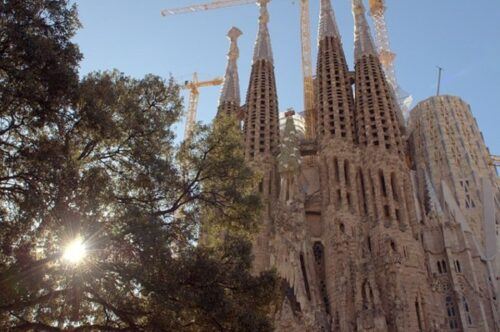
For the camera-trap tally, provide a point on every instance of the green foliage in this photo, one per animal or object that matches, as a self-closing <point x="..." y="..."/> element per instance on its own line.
<point x="97" y="159"/>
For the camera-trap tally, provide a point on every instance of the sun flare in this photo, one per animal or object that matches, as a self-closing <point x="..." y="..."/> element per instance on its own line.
<point x="75" y="251"/>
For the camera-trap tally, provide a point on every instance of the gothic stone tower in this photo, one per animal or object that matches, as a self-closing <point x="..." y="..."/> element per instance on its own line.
<point x="392" y="275"/>
<point x="335" y="250"/>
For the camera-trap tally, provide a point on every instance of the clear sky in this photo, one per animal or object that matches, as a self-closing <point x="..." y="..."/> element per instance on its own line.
<point x="462" y="36"/>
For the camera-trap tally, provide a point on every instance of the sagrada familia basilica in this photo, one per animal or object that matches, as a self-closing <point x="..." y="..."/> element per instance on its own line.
<point x="376" y="224"/>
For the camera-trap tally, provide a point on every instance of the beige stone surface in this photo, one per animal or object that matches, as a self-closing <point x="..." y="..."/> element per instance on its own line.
<point x="372" y="226"/>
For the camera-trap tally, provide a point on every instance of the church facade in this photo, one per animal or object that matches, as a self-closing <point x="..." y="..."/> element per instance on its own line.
<point x="374" y="225"/>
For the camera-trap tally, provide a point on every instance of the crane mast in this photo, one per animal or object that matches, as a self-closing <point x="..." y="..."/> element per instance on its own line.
<point x="194" y="96"/>
<point x="387" y="57"/>
<point x="307" y="70"/>
<point x="305" y="29"/>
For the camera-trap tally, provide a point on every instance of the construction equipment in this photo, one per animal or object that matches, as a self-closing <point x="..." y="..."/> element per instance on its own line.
<point x="387" y="57"/>
<point x="495" y="161"/>
<point x="305" y="28"/>
<point x="307" y="69"/>
<point x="194" y="97"/>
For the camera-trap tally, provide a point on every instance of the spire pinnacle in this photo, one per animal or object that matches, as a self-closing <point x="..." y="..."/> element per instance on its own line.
<point x="263" y="49"/>
<point x="231" y="87"/>
<point x="363" y="41"/>
<point x="327" y="24"/>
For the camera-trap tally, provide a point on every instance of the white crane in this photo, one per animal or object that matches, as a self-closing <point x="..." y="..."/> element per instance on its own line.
<point x="387" y="57"/>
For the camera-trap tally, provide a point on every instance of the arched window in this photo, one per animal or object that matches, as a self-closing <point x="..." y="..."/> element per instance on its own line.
<point x="319" y="258"/>
<point x="457" y="266"/>
<point x="452" y="314"/>
<point x="443" y="264"/>
<point x="393" y="246"/>
<point x="362" y="191"/>
<point x="419" y="318"/>
<point x="440" y="269"/>
<point x="346" y="173"/>
<point x="304" y="275"/>
<point x="336" y="169"/>
<point x="382" y="182"/>
<point x="467" y="311"/>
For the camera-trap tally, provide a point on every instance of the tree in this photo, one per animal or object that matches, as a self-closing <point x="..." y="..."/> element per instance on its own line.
<point x="96" y="161"/>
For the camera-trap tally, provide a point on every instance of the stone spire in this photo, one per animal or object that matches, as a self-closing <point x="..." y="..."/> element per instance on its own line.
<point x="334" y="98"/>
<point x="229" y="102"/>
<point x="263" y="50"/>
<point x="327" y="24"/>
<point x="377" y="119"/>
<point x="261" y="130"/>
<point x="261" y="116"/>
<point x="363" y="41"/>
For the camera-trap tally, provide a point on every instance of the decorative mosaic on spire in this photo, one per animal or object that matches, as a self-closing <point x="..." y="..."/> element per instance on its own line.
<point x="363" y="41"/>
<point x="231" y="88"/>
<point x="263" y="50"/>
<point x="327" y="24"/>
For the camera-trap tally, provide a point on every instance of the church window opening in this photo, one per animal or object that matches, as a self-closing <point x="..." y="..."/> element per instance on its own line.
<point x="319" y="257"/>
<point x="467" y="311"/>
<point x="304" y="275"/>
<point x="382" y="182"/>
<point x="419" y="319"/>
<point x="452" y="315"/>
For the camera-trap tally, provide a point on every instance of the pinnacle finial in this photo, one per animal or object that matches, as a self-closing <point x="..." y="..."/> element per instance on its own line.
<point x="363" y="42"/>
<point x="231" y="88"/>
<point x="264" y="13"/>
<point x="233" y="36"/>
<point x="263" y="49"/>
<point x="327" y="24"/>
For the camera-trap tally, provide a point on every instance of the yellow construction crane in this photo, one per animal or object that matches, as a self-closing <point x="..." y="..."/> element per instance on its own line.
<point x="194" y="96"/>
<point x="305" y="28"/>
<point x="387" y="57"/>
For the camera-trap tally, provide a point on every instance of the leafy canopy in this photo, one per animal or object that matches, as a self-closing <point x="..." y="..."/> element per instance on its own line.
<point x="96" y="159"/>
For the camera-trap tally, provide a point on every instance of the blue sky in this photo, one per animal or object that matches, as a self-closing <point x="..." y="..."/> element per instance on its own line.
<point x="462" y="36"/>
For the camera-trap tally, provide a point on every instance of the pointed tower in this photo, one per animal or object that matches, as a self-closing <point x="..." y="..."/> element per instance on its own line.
<point x="339" y="177"/>
<point x="261" y="131"/>
<point x="229" y="102"/>
<point x="377" y="122"/>
<point x="334" y="98"/>
<point x="396" y="257"/>
<point x="262" y="119"/>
